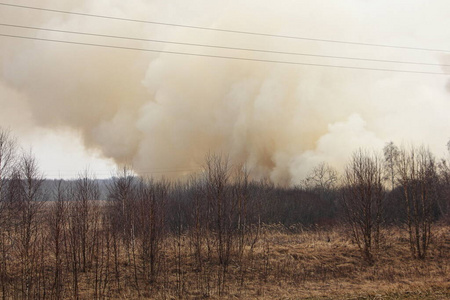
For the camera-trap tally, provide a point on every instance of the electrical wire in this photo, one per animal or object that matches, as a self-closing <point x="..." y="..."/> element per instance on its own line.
<point x="222" y="57"/>
<point x="224" y="30"/>
<point x="221" y="47"/>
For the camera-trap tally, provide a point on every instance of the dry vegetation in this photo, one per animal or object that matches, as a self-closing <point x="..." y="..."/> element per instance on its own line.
<point x="220" y="235"/>
<point x="283" y="263"/>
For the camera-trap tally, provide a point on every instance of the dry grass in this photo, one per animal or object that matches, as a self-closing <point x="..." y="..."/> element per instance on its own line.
<point x="290" y="264"/>
<point x="319" y="264"/>
<point x="325" y="264"/>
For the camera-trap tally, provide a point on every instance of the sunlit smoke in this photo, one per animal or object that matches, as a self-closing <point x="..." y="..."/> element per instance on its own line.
<point x="162" y="112"/>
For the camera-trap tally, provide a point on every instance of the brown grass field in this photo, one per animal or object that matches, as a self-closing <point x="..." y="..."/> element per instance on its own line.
<point x="297" y="264"/>
<point x="275" y="263"/>
<point x="326" y="265"/>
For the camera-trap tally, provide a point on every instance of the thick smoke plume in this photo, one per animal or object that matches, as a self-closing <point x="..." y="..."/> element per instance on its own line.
<point x="163" y="112"/>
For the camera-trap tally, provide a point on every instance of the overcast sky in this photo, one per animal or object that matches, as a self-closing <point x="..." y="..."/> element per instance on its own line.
<point x="79" y="105"/>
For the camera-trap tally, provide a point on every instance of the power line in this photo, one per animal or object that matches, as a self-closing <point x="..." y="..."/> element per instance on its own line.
<point x="222" y="47"/>
<point x="223" y="57"/>
<point x="225" y="30"/>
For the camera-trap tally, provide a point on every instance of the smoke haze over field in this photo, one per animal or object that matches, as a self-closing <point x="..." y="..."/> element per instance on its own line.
<point x="163" y="112"/>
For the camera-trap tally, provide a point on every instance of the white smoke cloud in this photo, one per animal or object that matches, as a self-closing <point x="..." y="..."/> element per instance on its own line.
<point x="163" y="112"/>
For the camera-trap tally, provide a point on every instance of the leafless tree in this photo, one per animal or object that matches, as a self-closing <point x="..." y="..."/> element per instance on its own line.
<point x="122" y="193"/>
<point x="56" y="220"/>
<point x="30" y="201"/>
<point x="221" y="209"/>
<point x="8" y="160"/>
<point x="122" y="217"/>
<point x="322" y="180"/>
<point x="150" y="225"/>
<point x="81" y="227"/>
<point x="322" y="177"/>
<point x="8" y="156"/>
<point x="196" y="187"/>
<point x="99" y="249"/>
<point x="443" y="201"/>
<point x="391" y="154"/>
<point x="417" y="175"/>
<point x="86" y="192"/>
<point x="362" y="196"/>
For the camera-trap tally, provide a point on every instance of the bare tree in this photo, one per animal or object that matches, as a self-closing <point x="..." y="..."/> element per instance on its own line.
<point x="322" y="180"/>
<point x="221" y="209"/>
<point x="122" y="196"/>
<point x="443" y="201"/>
<point x="56" y="220"/>
<point x="391" y="154"/>
<point x="322" y="177"/>
<point x="151" y="202"/>
<point x="27" y="226"/>
<point x="418" y="177"/>
<point x="196" y="187"/>
<point x="8" y="158"/>
<point x="122" y="193"/>
<point x="86" y="191"/>
<point x="362" y="196"/>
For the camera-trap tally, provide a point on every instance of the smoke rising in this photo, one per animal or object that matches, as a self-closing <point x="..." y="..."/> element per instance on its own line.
<point x="163" y="112"/>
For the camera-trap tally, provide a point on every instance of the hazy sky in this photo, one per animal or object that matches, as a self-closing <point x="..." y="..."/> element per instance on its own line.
<point x="81" y="106"/>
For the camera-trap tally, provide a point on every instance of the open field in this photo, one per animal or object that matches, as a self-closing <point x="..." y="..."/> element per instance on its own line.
<point x="314" y="264"/>
<point x="76" y="250"/>
<point x="326" y="265"/>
